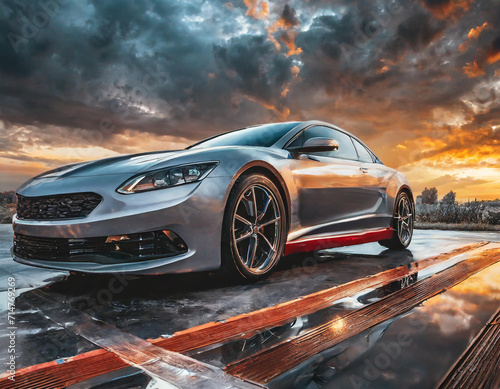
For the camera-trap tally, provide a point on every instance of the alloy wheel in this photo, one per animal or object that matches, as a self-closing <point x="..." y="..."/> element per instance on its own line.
<point x="404" y="220"/>
<point x="256" y="229"/>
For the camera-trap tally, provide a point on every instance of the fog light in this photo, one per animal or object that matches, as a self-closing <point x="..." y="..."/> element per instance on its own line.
<point x="175" y="239"/>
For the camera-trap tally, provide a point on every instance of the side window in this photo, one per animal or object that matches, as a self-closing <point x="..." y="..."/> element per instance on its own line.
<point x="346" y="149"/>
<point x="364" y="155"/>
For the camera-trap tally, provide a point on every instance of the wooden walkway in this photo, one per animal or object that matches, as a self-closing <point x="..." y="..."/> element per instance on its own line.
<point x="479" y="366"/>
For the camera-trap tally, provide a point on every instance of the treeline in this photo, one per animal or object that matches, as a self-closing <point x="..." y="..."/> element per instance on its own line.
<point x="474" y="212"/>
<point x="8" y="197"/>
<point x="430" y="211"/>
<point x="7" y="206"/>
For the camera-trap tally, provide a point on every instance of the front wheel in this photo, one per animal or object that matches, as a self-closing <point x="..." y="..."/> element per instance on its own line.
<point x="254" y="228"/>
<point x="402" y="223"/>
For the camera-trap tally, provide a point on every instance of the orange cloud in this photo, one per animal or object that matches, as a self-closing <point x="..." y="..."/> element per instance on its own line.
<point x="257" y="9"/>
<point x="286" y="88"/>
<point x="282" y="113"/>
<point x="289" y="39"/>
<point x="450" y="8"/>
<point x="473" y="70"/>
<point x="287" y="24"/>
<point x="493" y="55"/>
<point x="475" y="32"/>
<point x="449" y="157"/>
<point x="23" y="168"/>
<point x="383" y="69"/>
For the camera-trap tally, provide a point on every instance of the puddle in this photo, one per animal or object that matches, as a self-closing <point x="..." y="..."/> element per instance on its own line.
<point x="414" y="350"/>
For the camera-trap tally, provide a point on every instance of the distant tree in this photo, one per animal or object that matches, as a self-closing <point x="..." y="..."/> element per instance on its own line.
<point x="429" y="196"/>
<point x="9" y="197"/>
<point x="449" y="198"/>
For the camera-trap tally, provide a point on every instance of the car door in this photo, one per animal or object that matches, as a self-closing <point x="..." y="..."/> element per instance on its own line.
<point x="375" y="184"/>
<point x="330" y="184"/>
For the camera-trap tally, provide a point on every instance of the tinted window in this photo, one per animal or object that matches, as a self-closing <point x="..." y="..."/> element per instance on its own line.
<point x="265" y="136"/>
<point x="346" y="149"/>
<point x="364" y="155"/>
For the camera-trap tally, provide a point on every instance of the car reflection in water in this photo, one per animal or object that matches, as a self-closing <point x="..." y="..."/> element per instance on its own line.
<point x="320" y="369"/>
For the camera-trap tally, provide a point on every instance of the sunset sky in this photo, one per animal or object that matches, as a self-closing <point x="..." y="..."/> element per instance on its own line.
<point x="417" y="80"/>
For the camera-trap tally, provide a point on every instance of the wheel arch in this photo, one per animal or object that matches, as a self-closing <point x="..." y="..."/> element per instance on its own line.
<point x="407" y="189"/>
<point x="270" y="172"/>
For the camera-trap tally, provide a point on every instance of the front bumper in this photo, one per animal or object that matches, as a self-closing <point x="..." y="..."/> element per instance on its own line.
<point x="193" y="211"/>
<point x="178" y="264"/>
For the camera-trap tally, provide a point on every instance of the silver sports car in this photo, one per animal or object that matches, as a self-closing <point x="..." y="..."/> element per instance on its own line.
<point x="236" y="202"/>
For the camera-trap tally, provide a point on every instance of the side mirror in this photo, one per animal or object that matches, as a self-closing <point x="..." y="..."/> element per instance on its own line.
<point x="317" y="144"/>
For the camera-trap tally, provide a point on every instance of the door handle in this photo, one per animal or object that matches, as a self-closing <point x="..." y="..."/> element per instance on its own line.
<point x="364" y="169"/>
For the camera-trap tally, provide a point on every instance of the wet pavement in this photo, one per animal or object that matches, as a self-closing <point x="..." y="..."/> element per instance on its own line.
<point x="149" y="307"/>
<point x="416" y="350"/>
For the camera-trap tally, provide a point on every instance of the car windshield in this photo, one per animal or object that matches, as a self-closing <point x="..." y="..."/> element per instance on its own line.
<point x="264" y="136"/>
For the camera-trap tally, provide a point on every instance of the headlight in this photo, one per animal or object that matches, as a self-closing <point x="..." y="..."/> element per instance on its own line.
<point x="167" y="177"/>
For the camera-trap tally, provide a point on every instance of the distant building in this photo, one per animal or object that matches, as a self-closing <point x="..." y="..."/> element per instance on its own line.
<point x="419" y="199"/>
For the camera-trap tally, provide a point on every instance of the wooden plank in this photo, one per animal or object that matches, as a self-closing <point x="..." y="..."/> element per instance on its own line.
<point x="91" y="364"/>
<point x="74" y="370"/>
<point x="177" y="369"/>
<point x="268" y="364"/>
<point x="479" y="366"/>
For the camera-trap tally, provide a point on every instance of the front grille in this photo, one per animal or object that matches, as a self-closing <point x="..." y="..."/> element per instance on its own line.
<point x="67" y="206"/>
<point x="100" y="250"/>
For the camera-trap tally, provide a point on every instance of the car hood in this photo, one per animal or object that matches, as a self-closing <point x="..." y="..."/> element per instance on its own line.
<point x="132" y="164"/>
<point x="115" y="170"/>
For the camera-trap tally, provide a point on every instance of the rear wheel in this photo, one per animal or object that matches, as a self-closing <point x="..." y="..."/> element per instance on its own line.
<point x="402" y="223"/>
<point x="254" y="228"/>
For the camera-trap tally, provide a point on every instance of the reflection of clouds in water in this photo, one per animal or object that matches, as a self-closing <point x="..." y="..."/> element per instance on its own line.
<point x="451" y="313"/>
<point x="435" y="334"/>
<point x="486" y="285"/>
<point x="451" y="323"/>
<point x="454" y="311"/>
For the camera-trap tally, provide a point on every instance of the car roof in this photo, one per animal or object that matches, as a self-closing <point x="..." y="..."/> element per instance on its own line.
<point x="308" y="123"/>
<point x="282" y="142"/>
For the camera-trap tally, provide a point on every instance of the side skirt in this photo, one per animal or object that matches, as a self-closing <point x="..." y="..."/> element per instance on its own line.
<point x="328" y="242"/>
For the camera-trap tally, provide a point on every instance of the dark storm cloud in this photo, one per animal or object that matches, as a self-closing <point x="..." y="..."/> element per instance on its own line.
<point x="253" y="67"/>
<point x="193" y="69"/>
<point x="117" y="59"/>
<point x="289" y="16"/>
<point x="416" y="33"/>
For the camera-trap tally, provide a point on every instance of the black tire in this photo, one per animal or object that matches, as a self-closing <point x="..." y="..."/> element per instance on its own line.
<point x="244" y="230"/>
<point x="402" y="222"/>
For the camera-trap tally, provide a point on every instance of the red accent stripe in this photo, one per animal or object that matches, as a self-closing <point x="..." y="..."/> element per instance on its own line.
<point x="313" y="244"/>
